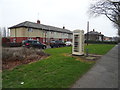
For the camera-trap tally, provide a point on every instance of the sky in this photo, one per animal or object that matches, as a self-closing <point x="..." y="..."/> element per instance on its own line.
<point x="73" y="14"/>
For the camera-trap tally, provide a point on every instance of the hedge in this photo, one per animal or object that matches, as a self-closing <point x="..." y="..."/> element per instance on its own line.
<point x="101" y="42"/>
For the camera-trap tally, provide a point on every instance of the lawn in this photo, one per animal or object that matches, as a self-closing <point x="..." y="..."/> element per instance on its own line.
<point x="56" y="71"/>
<point x="100" y="49"/>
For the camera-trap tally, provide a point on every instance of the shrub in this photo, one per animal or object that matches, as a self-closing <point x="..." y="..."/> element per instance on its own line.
<point x="11" y="54"/>
<point x="101" y="42"/>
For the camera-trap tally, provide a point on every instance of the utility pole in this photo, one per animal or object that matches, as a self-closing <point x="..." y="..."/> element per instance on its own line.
<point x="87" y="32"/>
<point x="45" y="36"/>
<point x="87" y="38"/>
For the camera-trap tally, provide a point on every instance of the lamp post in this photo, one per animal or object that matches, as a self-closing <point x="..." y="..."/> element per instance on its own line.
<point x="45" y="36"/>
<point x="87" y="32"/>
<point x="15" y="39"/>
<point x="49" y="35"/>
<point x="28" y="33"/>
<point x="87" y="38"/>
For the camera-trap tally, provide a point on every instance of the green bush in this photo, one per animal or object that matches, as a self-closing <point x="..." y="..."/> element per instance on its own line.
<point x="101" y="42"/>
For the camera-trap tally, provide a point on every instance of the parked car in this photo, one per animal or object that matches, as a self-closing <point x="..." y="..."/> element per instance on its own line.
<point x="58" y="43"/>
<point x="68" y="43"/>
<point x="33" y="43"/>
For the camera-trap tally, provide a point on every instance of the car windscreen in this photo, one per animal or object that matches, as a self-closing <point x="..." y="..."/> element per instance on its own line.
<point x="35" y="42"/>
<point x="52" y="41"/>
<point x="38" y="42"/>
<point x="29" y="41"/>
<point x="59" y="41"/>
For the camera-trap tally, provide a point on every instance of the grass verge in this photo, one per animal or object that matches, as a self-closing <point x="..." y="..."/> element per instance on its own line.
<point x="56" y="71"/>
<point x="100" y="49"/>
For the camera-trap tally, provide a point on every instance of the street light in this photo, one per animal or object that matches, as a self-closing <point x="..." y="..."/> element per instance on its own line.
<point x="45" y="36"/>
<point x="87" y="38"/>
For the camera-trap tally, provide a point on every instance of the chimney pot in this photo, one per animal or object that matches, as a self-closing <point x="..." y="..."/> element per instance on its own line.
<point x="63" y="27"/>
<point x="38" y="21"/>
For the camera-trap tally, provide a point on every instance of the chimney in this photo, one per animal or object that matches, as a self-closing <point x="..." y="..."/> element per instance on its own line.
<point x="93" y="30"/>
<point x="63" y="27"/>
<point x="100" y="32"/>
<point x="38" y="21"/>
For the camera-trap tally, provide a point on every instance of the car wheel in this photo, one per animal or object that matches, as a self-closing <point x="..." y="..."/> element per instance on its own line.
<point x="44" y="47"/>
<point x="51" y="46"/>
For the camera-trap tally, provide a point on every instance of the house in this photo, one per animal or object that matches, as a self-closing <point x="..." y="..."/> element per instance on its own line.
<point x="38" y="31"/>
<point x="94" y="36"/>
<point x="107" y="38"/>
<point x="111" y="38"/>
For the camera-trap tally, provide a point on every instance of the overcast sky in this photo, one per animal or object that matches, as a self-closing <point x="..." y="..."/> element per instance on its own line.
<point x="70" y="13"/>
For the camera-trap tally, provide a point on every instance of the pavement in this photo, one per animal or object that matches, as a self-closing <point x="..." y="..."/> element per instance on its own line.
<point x="104" y="74"/>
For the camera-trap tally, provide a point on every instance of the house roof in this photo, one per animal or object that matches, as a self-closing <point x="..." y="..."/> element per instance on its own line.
<point x="94" y="33"/>
<point x="28" y="24"/>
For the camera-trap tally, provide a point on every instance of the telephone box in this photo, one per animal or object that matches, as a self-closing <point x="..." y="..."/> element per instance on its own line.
<point x="78" y="42"/>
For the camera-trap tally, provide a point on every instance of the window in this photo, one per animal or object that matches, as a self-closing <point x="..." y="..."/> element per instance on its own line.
<point x="30" y="38"/>
<point x="14" y="40"/>
<point x="30" y="30"/>
<point x="76" y="43"/>
<point x="43" y="40"/>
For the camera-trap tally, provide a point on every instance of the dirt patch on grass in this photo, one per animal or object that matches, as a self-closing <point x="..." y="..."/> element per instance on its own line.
<point x="12" y="57"/>
<point x="92" y="58"/>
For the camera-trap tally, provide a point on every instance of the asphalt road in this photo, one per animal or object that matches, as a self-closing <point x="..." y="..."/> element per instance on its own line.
<point x="104" y="74"/>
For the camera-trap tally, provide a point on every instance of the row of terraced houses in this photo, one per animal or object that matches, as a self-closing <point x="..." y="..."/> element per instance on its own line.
<point x="46" y="33"/>
<point x="38" y="31"/>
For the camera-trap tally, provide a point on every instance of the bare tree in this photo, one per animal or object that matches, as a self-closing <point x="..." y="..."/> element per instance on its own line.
<point x="109" y="8"/>
<point x="4" y="32"/>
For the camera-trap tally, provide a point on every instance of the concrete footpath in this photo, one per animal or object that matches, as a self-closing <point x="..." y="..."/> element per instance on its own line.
<point x="104" y="74"/>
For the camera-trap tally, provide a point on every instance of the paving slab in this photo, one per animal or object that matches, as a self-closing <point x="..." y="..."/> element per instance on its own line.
<point x="104" y="74"/>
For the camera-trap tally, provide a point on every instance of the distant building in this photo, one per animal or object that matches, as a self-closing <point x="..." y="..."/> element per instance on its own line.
<point x="40" y="32"/>
<point x="94" y="36"/>
<point x="107" y="38"/>
<point x="111" y="38"/>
